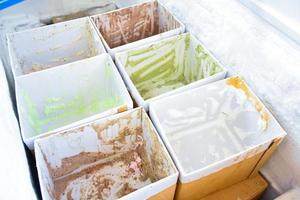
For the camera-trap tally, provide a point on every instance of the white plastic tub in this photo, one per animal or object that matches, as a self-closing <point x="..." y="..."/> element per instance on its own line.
<point x="136" y="25"/>
<point x="167" y="67"/>
<point x="64" y="96"/>
<point x="120" y="156"/>
<point x="210" y="128"/>
<point x="50" y="46"/>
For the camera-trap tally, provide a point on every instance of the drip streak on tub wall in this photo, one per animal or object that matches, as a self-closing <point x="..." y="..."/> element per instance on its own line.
<point x="168" y="65"/>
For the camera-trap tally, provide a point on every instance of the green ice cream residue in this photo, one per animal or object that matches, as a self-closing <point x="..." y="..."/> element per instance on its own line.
<point x="168" y="65"/>
<point x="33" y="114"/>
<point x="57" y="112"/>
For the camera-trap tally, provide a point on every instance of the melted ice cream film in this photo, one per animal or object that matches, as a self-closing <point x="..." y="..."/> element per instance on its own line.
<point x="168" y="65"/>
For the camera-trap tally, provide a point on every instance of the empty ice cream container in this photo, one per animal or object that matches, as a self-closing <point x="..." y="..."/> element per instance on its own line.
<point x="65" y="96"/>
<point x="167" y="67"/>
<point x="120" y="156"/>
<point x="218" y="134"/>
<point x="53" y="45"/>
<point x="136" y="25"/>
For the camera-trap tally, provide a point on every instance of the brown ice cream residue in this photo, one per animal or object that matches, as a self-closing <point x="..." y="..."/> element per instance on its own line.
<point x="134" y="23"/>
<point x="238" y="83"/>
<point x="115" y="178"/>
<point x="98" y="175"/>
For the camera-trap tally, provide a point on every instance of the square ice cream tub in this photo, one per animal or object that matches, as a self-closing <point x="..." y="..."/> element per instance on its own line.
<point x="53" y="45"/>
<point x="65" y="96"/>
<point x="167" y="67"/>
<point x="136" y="25"/>
<point x="120" y="156"/>
<point x="218" y="135"/>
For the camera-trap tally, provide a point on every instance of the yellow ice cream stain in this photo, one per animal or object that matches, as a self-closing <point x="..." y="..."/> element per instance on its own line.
<point x="238" y="83"/>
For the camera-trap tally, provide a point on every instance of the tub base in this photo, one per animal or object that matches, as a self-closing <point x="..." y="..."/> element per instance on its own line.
<point x="226" y="177"/>
<point x="219" y="180"/>
<point x="167" y="194"/>
<point x="250" y="189"/>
